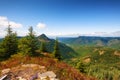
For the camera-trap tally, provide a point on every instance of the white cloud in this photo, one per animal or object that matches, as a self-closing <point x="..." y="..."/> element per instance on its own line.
<point x="104" y="34"/>
<point x="4" y="22"/>
<point x="117" y="33"/>
<point x="41" y="25"/>
<point x="2" y="33"/>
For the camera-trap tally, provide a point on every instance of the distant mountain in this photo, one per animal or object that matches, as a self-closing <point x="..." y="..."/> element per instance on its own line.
<point x="43" y="37"/>
<point x="93" y="41"/>
<point x="65" y="50"/>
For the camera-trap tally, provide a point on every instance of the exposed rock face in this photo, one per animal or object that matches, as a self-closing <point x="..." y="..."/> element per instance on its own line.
<point x="101" y="52"/>
<point x="27" y="72"/>
<point x="117" y="53"/>
<point x="87" y="60"/>
<point x="4" y="71"/>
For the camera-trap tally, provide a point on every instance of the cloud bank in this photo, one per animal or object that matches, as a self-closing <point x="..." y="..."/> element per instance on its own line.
<point x="104" y="34"/>
<point x="4" y="22"/>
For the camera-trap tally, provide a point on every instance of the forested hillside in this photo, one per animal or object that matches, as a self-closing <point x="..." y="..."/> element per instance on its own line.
<point x="111" y="42"/>
<point x="97" y="56"/>
<point x="66" y="51"/>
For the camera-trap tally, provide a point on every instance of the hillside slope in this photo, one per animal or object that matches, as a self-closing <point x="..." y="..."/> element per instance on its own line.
<point x="97" y="56"/>
<point x="66" y="51"/>
<point x="100" y="62"/>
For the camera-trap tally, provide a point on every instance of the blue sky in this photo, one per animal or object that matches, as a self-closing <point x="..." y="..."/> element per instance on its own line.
<point x="61" y="17"/>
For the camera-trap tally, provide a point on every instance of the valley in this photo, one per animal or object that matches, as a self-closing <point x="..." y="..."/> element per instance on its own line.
<point x="99" y="61"/>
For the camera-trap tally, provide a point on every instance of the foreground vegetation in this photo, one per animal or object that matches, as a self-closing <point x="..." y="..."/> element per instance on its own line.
<point x="61" y="69"/>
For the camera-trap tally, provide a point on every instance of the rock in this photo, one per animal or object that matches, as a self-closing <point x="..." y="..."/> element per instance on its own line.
<point x="47" y="75"/>
<point x="20" y="78"/>
<point x="4" y="71"/>
<point x="101" y="52"/>
<point x="27" y="72"/>
<point x="29" y="65"/>
<point x="87" y="60"/>
<point x="3" y="77"/>
<point x="117" y="53"/>
<point x="33" y="65"/>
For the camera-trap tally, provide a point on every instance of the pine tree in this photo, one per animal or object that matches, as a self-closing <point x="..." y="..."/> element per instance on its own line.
<point x="9" y="46"/>
<point x="32" y="42"/>
<point x="28" y="45"/>
<point x="56" y="51"/>
<point x="42" y="47"/>
<point x="23" y="46"/>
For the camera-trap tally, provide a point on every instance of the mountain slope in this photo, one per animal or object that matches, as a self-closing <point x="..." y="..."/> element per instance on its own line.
<point x="100" y="62"/>
<point x="65" y="50"/>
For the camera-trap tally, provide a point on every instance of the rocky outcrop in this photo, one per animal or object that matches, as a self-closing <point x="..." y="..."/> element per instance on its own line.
<point x="117" y="53"/>
<point x="101" y="52"/>
<point x="27" y="72"/>
<point x="47" y="75"/>
<point x="4" y="71"/>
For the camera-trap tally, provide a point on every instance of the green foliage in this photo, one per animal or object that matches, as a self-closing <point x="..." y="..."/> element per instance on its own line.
<point x="64" y="50"/>
<point x="103" y="72"/>
<point x="81" y="66"/>
<point x="24" y="46"/>
<point x="42" y="47"/>
<point x="102" y="66"/>
<point x="28" y="45"/>
<point x="56" y="51"/>
<point x="9" y="45"/>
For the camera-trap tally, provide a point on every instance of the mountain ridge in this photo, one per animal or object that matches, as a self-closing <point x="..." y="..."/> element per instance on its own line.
<point x="92" y="41"/>
<point x="66" y="51"/>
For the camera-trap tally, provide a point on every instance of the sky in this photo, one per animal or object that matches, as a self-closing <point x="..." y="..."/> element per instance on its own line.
<point x="61" y="17"/>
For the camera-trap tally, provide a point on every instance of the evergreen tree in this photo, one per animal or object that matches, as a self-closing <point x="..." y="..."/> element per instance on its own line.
<point x="9" y="46"/>
<point x="32" y="42"/>
<point x="42" y="47"/>
<point x="28" y="45"/>
<point x="24" y="46"/>
<point x="56" y="51"/>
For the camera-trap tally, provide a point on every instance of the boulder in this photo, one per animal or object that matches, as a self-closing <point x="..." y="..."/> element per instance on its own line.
<point x="49" y="74"/>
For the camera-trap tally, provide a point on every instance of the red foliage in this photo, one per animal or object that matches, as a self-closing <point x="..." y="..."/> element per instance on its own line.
<point x="63" y="71"/>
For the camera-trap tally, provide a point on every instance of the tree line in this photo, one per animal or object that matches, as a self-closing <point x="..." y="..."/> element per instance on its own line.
<point x="26" y="45"/>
